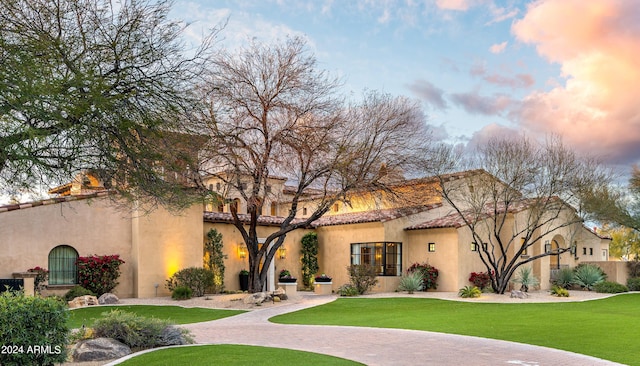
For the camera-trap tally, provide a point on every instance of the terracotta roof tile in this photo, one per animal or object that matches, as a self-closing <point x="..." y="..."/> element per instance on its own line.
<point x="51" y="201"/>
<point x="383" y="215"/>
<point x="226" y="217"/>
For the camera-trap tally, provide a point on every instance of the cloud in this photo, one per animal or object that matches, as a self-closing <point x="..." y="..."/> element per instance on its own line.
<point x="428" y="93"/>
<point x="460" y="5"/>
<point x="474" y="103"/>
<point x="518" y="81"/>
<point x="501" y="14"/>
<point x="498" y="47"/>
<point x="595" y="108"/>
<point x="491" y="131"/>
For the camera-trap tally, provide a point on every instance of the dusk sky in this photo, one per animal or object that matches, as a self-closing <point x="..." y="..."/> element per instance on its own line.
<point x="480" y="67"/>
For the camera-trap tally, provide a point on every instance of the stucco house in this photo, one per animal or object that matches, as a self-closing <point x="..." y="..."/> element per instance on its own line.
<point x="391" y="233"/>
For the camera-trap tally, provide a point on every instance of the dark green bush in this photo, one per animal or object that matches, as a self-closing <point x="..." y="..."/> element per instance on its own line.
<point x="363" y="277"/>
<point x="607" y="287"/>
<point x="195" y="278"/>
<point x="134" y="330"/>
<point x="77" y="291"/>
<point x="633" y="284"/>
<point x="34" y="330"/>
<point x="181" y="293"/>
<point x="634" y="268"/>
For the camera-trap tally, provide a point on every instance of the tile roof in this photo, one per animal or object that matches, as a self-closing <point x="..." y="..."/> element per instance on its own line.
<point x="382" y="215"/>
<point x="51" y="201"/>
<point x="226" y="217"/>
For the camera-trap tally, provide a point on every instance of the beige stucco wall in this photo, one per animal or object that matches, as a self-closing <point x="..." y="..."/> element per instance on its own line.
<point x="162" y="244"/>
<point x="445" y="258"/>
<point x="91" y="227"/>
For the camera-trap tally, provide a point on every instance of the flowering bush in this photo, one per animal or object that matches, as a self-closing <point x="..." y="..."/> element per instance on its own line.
<point x="480" y="279"/>
<point x="323" y="278"/>
<point x="99" y="273"/>
<point x="429" y="275"/>
<point x="41" y="277"/>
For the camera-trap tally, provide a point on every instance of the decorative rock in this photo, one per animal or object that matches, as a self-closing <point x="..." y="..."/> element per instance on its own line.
<point x="108" y="298"/>
<point x="82" y="301"/>
<point x="519" y="294"/>
<point x="283" y="297"/>
<point x="172" y="336"/>
<point x="99" y="349"/>
<point x="276" y="298"/>
<point x="279" y="291"/>
<point x="257" y="298"/>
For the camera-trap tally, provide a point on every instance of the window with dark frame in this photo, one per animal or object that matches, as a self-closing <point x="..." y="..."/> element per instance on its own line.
<point x="590" y="251"/>
<point x="584" y="251"/>
<point x="432" y="247"/>
<point x="385" y="257"/>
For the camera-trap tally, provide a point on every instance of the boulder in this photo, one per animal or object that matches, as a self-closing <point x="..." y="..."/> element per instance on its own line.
<point x="82" y="301"/>
<point x="257" y="298"/>
<point x="99" y="349"/>
<point x="173" y="336"/>
<point x="108" y="299"/>
<point x="279" y="291"/>
<point x="519" y="294"/>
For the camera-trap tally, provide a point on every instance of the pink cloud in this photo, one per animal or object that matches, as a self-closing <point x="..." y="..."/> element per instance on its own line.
<point x="460" y="5"/>
<point x="498" y="47"/>
<point x="597" y="44"/>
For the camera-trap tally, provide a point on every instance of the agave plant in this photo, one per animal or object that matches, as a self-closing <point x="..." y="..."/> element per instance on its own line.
<point x="526" y="279"/>
<point x="411" y="282"/>
<point x="469" y="292"/>
<point x="564" y="278"/>
<point x="588" y="275"/>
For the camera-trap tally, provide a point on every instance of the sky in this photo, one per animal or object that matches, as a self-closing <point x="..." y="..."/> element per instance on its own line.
<point x="480" y="68"/>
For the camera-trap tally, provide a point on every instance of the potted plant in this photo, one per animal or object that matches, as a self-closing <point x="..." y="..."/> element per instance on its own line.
<point x="285" y="277"/>
<point x="323" y="278"/>
<point x="244" y="280"/>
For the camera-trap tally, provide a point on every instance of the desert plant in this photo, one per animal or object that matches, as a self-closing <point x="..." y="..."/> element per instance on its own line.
<point x="469" y="292"/>
<point x="76" y="291"/>
<point x="30" y="321"/>
<point x="559" y="291"/>
<point x="363" y="277"/>
<point x="181" y="293"/>
<point x="587" y="276"/>
<point x="134" y="330"/>
<point x="633" y="284"/>
<point x="607" y="287"/>
<point x="214" y="259"/>
<point x="99" y="273"/>
<point x="309" y="258"/>
<point x="348" y="290"/>
<point x="564" y="278"/>
<point x="429" y="275"/>
<point x="195" y="278"/>
<point x="480" y="279"/>
<point x="525" y="278"/>
<point x="410" y="282"/>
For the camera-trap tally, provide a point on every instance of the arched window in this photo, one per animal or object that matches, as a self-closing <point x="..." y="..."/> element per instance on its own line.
<point x="62" y="266"/>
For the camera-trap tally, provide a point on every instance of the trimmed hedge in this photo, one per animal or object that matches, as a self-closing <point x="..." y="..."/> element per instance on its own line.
<point x="607" y="287"/>
<point x="633" y="284"/>
<point x="34" y="330"/>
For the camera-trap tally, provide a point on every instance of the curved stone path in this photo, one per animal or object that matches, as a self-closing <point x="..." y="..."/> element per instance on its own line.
<point x="376" y="346"/>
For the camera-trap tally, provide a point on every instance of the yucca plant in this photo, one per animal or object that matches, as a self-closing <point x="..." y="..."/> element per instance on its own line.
<point x="526" y="279"/>
<point x="469" y="291"/>
<point x="588" y="275"/>
<point x="411" y="282"/>
<point x="564" y="278"/>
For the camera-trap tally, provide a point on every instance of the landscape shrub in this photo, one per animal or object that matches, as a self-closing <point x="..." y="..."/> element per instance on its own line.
<point x="429" y="275"/>
<point x="195" y="278"/>
<point x="42" y="276"/>
<point x="214" y="259"/>
<point x="181" y="293"/>
<point x="34" y="330"/>
<point x="607" y="287"/>
<point x="526" y="279"/>
<point x="77" y="291"/>
<point x="134" y="330"/>
<point x="348" y="290"/>
<point x="469" y="292"/>
<point x="559" y="291"/>
<point x="309" y="252"/>
<point x="564" y="278"/>
<point x="634" y="268"/>
<point x="363" y="277"/>
<point x="99" y="273"/>
<point x="633" y="284"/>
<point x="480" y="279"/>
<point x="410" y="282"/>
<point x="587" y="275"/>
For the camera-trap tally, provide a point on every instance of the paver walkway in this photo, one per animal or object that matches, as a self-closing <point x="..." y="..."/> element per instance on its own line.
<point x="375" y="346"/>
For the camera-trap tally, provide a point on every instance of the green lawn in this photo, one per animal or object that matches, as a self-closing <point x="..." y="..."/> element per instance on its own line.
<point x="178" y="315"/>
<point x="607" y="328"/>
<point x="230" y="355"/>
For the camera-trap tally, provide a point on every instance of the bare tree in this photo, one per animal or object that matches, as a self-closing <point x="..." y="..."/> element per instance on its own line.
<point x="531" y="190"/>
<point x="100" y="85"/>
<point x="273" y="113"/>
